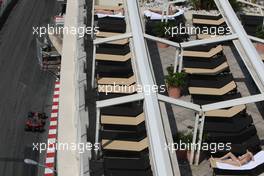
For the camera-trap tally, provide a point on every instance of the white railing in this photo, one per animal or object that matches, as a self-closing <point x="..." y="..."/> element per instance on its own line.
<point x="160" y="158"/>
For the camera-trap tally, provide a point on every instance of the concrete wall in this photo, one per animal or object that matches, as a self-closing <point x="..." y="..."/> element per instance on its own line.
<point x="68" y="161"/>
<point x="73" y="116"/>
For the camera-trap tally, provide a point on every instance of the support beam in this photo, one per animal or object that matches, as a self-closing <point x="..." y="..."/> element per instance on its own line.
<point x="210" y="41"/>
<point x="180" y="103"/>
<point x="119" y="100"/>
<point x="162" y="164"/>
<point x="256" y="39"/>
<point x="176" y="60"/>
<point x="196" y="125"/>
<point x="200" y="139"/>
<point x="161" y="40"/>
<point x="254" y="64"/>
<point x="180" y="60"/>
<point x="93" y="67"/>
<point x="234" y="102"/>
<point x="92" y="20"/>
<point x="97" y="129"/>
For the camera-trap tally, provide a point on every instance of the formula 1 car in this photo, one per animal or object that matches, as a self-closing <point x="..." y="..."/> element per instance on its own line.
<point x="35" y="122"/>
<point x="34" y="125"/>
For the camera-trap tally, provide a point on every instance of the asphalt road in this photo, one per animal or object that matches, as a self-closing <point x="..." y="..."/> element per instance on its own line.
<point x="23" y="86"/>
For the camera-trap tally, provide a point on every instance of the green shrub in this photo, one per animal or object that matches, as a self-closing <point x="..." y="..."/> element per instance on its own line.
<point x="260" y="32"/>
<point x="175" y="79"/>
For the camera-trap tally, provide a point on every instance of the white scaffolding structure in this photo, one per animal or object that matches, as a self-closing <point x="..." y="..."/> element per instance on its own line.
<point x="161" y="160"/>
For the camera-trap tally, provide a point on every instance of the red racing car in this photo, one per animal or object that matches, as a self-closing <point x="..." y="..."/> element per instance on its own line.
<point x="35" y="122"/>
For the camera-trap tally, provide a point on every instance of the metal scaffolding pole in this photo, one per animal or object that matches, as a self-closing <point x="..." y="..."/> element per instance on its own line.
<point x="180" y="60"/>
<point x="98" y="125"/>
<point x="176" y="60"/>
<point x="247" y="46"/>
<point x="162" y="164"/>
<point x="200" y="139"/>
<point x="93" y="67"/>
<point x="196" y="125"/>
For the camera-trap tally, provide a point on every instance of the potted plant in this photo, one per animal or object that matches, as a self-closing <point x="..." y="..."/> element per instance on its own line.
<point x="175" y="82"/>
<point x="260" y="34"/>
<point x="184" y="141"/>
<point x="160" y="30"/>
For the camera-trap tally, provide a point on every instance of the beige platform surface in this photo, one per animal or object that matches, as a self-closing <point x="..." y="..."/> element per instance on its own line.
<point x="117" y="81"/>
<point x="125" y="145"/>
<point x="213" y="91"/>
<point x="122" y="120"/>
<point x="226" y="113"/>
<point x="111" y="57"/>
<point x="209" y="54"/>
<point x="204" y="71"/>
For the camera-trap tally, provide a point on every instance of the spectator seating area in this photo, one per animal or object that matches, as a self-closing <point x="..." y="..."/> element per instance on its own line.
<point x="123" y="133"/>
<point x="211" y="81"/>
